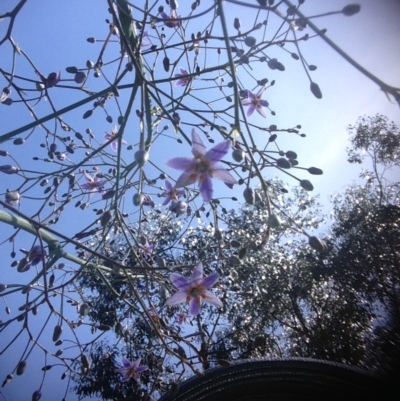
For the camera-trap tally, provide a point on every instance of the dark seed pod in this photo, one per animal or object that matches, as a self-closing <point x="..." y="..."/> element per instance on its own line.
<point x="3" y="287"/>
<point x="37" y="395"/>
<point x="351" y="9"/>
<point x="58" y="343"/>
<point x="8" y="310"/>
<point x="59" y="352"/>
<point x="141" y="157"/>
<point x="236" y="23"/>
<point x="291" y="155"/>
<point x="315" y="171"/>
<point x="87" y="114"/>
<point x="21" y="368"/>
<point x="295" y="56"/>
<point x="272" y="138"/>
<point x="238" y="155"/>
<point x="234" y="260"/>
<point x="283" y="163"/>
<point x="218" y="235"/>
<point x="19" y="141"/>
<point x="249" y="195"/>
<point x="242" y="253"/>
<point x="109" y="194"/>
<point x="274" y="221"/>
<point x="312" y="67"/>
<point x="235" y="244"/>
<point x="104" y="327"/>
<point x="85" y="361"/>
<point x="51" y="280"/>
<point x="316" y="91"/>
<point x="35" y="310"/>
<point x="166" y="64"/>
<point x="305" y="184"/>
<point x="57" y="333"/>
<point x="138" y="199"/>
<point x="3" y="153"/>
<point x="47" y="367"/>
<point x="318" y="244"/>
<point x="105" y="218"/>
<point x="250" y="41"/>
<point x="23" y="265"/>
<point x="223" y="362"/>
<point x="80" y="77"/>
<point x="7" y="380"/>
<point x="72" y="70"/>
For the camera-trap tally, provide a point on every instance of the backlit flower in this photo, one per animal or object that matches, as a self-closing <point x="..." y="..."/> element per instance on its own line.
<point x="93" y="184"/>
<point x="53" y="79"/>
<point x="112" y="136"/>
<point x="146" y="249"/>
<point x="131" y="369"/>
<point x="255" y="102"/>
<point x="36" y="255"/>
<point x="179" y="208"/>
<point x="194" y="290"/>
<point x="203" y="167"/>
<point x="172" y="20"/>
<point x="171" y="193"/>
<point x="183" y="76"/>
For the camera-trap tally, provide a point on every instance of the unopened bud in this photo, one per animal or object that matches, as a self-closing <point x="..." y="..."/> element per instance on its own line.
<point x="141" y="157"/>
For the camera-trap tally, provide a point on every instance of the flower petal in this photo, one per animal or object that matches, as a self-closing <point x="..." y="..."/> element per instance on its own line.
<point x="194" y="306"/>
<point x="210" y="280"/>
<point x="216" y="153"/>
<point x="180" y="163"/>
<point x="177" y="298"/>
<point x="126" y="363"/>
<point x="212" y="299"/>
<point x="186" y="178"/>
<point x="179" y="281"/>
<point x="261" y="91"/>
<point x="168" y="185"/>
<point x="261" y="111"/>
<point x="136" y="363"/>
<point x="198" y="148"/>
<point x="141" y="369"/>
<point x="264" y="103"/>
<point x="197" y="275"/>
<point x="224" y="175"/>
<point x="250" y="110"/>
<point x="206" y="188"/>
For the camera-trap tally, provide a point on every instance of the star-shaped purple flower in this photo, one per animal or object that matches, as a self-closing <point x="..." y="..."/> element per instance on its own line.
<point x="112" y="136"/>
<point x="93" y="184"/>
<point x="131" y="369"/>
<point x="183" y="76"/>
<point x="146" y="249"/>
<point x="255" y="102"/>
<point x="171" y="193"/>
<point x="203" y="167"/>
<point x="172" y="20"/>
<point x="195" y="290"/>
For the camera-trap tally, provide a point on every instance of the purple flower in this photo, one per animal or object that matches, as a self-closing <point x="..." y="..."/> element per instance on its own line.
<point x="171" y="193"/>
<point x="203" y="167"/>
<point x="146" y="249"/>
<point x="36" y="255"/>
<point x="145" y="42"/>
<point x="181" y="318"/>
<point x="172" y="20"/>
<point x="184" y="78"/>
<point x="53" y="79"/>
<point x="93" y="184"/>
<point x="179" y="207"/>
<point x="194" y="290"/>
<point x="113" y="136"/>
<point x="148" y="201"/>
<point x="255" y="102"/>
<point x="131" y="369"/>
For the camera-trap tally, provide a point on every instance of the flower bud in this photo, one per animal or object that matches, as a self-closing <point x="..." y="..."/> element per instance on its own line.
<point x="138" y="199"/>
<point x="250" y="41"/>
<point x="57" y="333"/>
<point x="317" y="244"/>
<point x="351" y="9"/>
<point x="7" y="169"/>
<point x="178" y="207"/>
<point x="315" y="171"/>
<point x="283" y="163"/>
<point x="141" y="157"/>
<point x="274" y="221"/>
<point x="84" y="309"/>
<point x="36" y="395"/>
<point x="21" y="368"/>
<point x="249" y="195"/>
<point x="305" y="184"/>
<point x="238" y="155"/>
